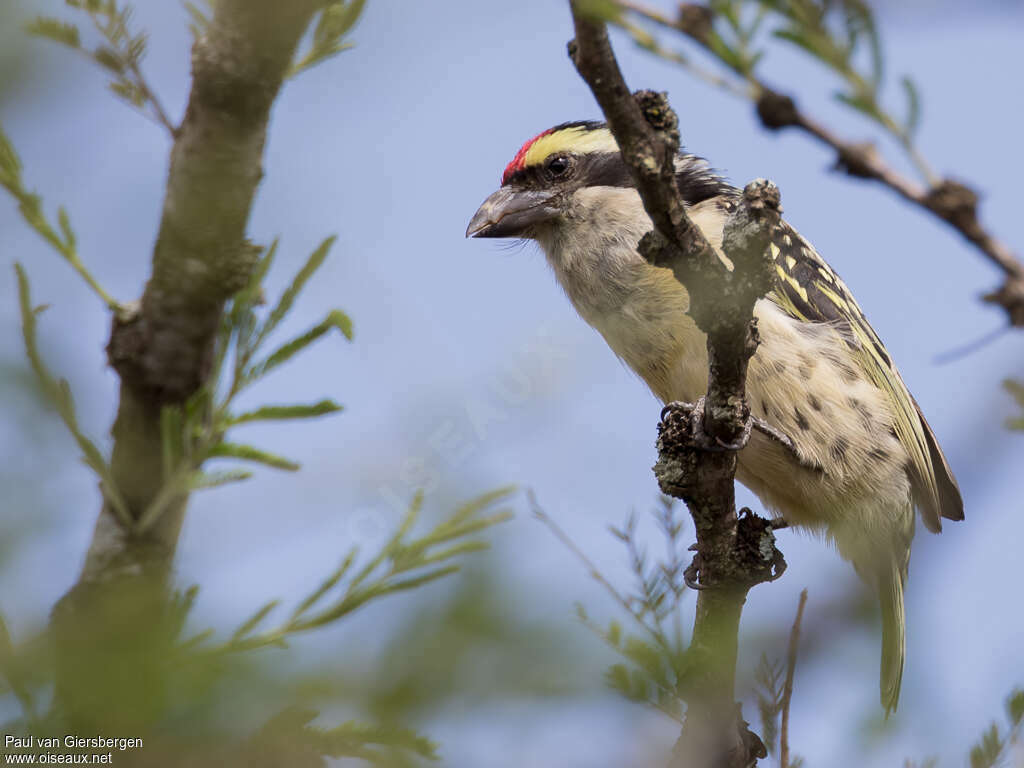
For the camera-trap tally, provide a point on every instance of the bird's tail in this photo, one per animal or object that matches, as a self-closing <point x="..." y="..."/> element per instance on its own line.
<point x="890" y="594"/>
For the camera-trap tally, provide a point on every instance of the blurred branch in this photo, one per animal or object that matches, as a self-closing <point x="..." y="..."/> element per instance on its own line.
<point x="697" y="444"/>
<point x="165" y="350"/>
<point x="953" y="202"/>
<point x="787" y="691"/>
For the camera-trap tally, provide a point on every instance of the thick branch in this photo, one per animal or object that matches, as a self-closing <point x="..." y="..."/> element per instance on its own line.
<point x="162" y="352"/>
<point x="697" y="446"/>
<point x="953" y="202"/>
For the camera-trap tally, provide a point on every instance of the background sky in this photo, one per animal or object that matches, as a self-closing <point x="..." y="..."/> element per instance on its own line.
<point x="392" y="146"/>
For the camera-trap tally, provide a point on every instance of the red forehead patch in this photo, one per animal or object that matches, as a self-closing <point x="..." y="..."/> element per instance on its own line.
<point x="519" y="161"/>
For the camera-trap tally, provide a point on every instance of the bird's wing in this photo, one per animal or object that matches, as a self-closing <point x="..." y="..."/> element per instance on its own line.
<point x="810" y="291"/>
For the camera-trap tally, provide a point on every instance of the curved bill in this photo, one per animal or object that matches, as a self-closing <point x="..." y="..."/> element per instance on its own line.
<point x="511" y="213"/>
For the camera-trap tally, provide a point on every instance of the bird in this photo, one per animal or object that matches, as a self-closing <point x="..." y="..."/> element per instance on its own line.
<point x="861" y="456"/>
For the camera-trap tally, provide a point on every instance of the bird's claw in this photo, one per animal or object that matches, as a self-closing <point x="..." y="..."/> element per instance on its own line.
<point x="701" y="439"/>
<point x="691" y="576"/>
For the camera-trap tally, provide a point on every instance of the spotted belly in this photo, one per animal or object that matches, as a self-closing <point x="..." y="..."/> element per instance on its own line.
<point x="849" y="462"/>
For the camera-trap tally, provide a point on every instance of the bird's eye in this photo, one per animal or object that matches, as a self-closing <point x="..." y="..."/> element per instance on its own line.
<point x="557" y="165"/>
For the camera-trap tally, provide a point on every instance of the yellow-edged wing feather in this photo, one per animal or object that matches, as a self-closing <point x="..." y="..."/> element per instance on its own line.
<point x="809" y="290"/>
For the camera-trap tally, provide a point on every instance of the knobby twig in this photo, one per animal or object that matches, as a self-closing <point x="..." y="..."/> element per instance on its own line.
<point x="787" y="691"/>
<point x="697" y="445"/>
<point x="954" y="202"/>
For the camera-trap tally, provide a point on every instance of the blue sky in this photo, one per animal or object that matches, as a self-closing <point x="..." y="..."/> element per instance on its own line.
<point x="392" y="146"/>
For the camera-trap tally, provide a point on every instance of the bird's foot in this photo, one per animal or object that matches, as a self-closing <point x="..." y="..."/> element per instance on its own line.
<point x="694" y="413"/>
<point x="691" y="576"/>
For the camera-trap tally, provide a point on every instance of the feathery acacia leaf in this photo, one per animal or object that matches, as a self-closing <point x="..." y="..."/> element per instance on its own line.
<point x="250" y="453"/>
<point x="56" y="30"/>
<point x="280" y="412"/>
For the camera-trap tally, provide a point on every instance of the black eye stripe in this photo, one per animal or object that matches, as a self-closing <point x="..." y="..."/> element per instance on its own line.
<point x="606" y="169"/>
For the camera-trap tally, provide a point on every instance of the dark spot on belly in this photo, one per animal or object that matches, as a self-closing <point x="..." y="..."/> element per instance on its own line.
<point x="779" y="367"/>
<point x="862" y="411"/>
<point x="807" y="364"/>
<point x="878" y="454"/>
<point x="815" y="402"/>
<point x="847" y="371"/>
<point x="839" y="448"/>
<point x="801" y="420"/>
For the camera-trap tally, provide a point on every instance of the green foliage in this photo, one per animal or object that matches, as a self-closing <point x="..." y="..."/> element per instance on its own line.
<point x="199" y="17"/>
<point x="334" y="22"/>
<point x="60" y="237"/>
<point x="181" y="680"/>
<point x="841" y="36"/>
<point x="120" y="53"/>
<point x="770" y="679"/>
<point x="198" y="431"/>
<point x="402" y="564"/>
<point x="1016" y="389"/>
<point x="992" y="747"/>
<point x="59" y="393"/>
<point x="657" y="660"/>
<point x="989" y="748"/>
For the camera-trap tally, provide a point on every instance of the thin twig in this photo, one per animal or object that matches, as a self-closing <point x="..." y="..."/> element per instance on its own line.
<point x="159" y="115"/>
<point x="787" y="691"/>
<point x="953" y="202"/>
<point x="150" y="94"/>
<point x="595" y="573"/>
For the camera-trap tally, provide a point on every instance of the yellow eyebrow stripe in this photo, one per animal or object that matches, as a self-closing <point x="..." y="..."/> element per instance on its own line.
<point x="578" y="139"/>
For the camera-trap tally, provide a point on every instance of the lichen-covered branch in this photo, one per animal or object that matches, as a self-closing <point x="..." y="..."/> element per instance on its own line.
<point x="697" y="446"/>
<point x="954" y="202"/>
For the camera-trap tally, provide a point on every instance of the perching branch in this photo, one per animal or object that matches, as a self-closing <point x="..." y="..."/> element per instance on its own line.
<point x="954" y="202"/>
<point x="697" y="445"/>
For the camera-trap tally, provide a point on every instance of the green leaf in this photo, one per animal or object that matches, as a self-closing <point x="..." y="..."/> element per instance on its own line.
<point x="861" y="104"/>
<point x="200" y="22"/>
<point x="327" y="584"/>
<point x="203" y="480"/>
<point x="251" y="623"/>
<point x="55" y="30"/>
<point x="108" y="58"/>
<point x="913" y="121"/>
<point x="1015" y="388"/>
<point x="986" y="753"/>
<point x="249" y="453"/>
<point x="284" y="304"/>
<point x="349" y="738"/>
<point x="248" y="296"/>
<point x="1015" y="707"/>
<point x="278" y="412"/>
<point x="59" y="393"/>
<point x="64" y="222"/>
<point x="335" y="319"/>
<point x="129" y="91"/>
<point x="614" y="635"/>
<point x="600" y="10"/>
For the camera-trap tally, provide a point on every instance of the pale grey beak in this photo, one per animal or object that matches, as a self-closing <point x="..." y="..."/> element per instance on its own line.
<point x="512" y="213"/>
